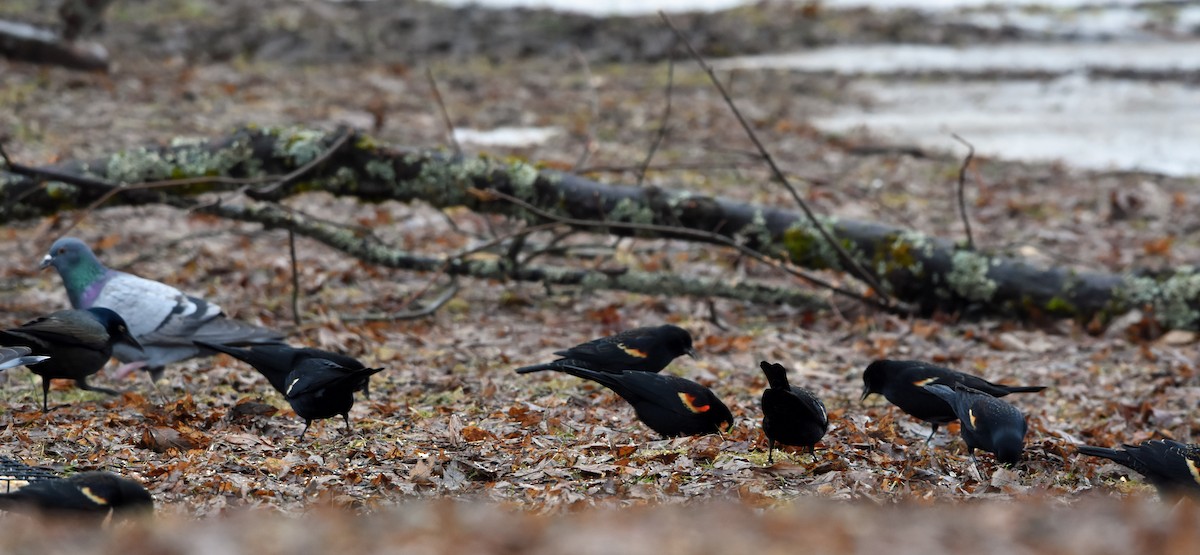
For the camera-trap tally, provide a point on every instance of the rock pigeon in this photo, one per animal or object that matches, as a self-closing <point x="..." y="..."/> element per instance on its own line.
<point x="11" y="357"/>
<point x="77" y="343"/>
<point x="90" y="495"/>
<point x="791" y="415"/>
<point x="647" y="349"/>
<point x="320" y="388"/>
<point x="902" y="383"/>
<point x="669" y="405"/>
<point x="275" y="361"/>
<point x="163" y="319"/>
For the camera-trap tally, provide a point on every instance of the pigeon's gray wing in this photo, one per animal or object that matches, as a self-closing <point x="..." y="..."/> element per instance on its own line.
<point x="16" y="356"/>
<point x="150" y="306"/>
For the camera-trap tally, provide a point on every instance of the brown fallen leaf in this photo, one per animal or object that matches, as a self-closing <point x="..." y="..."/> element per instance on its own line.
<point x="160" y="439"/>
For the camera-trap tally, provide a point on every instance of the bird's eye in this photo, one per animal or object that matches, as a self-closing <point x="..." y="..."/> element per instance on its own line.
<point x="62" y="250"/>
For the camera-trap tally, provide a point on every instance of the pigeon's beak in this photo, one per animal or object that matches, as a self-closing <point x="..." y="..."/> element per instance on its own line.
<point x="692" y="353"/>
<point x="46" y="262"/>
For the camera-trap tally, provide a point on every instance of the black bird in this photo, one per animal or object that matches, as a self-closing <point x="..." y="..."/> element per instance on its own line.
<point x="647" y="349"/>
<point x="791" y="415"/>
<point x="319" y="388"/>
<point x="78" y="342"/>
<point x="1173" y="467"/>
<point x="985" y="422"/>
<point x="87" y="494"/>
<point x="276" y="361"/>
<point x="669" y="405"/>
<point x="11" y="357"/>
<point x="902" y="383"/>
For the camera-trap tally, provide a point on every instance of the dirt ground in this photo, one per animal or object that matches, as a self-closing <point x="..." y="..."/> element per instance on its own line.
<point x="452" y="443"/>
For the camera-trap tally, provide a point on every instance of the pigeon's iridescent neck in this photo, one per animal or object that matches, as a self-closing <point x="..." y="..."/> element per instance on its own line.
<point x="85" y="286"/>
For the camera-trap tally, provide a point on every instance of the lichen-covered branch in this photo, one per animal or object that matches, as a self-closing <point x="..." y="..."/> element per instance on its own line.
<point x="372" y="251"/>
<point x="930" y="273"/>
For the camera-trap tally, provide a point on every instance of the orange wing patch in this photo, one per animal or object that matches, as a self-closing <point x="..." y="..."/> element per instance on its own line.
<point x="87" y="492"/>
<point x="635" y="353"/>
<point x="1192" y="468"/>
<point x="971" y="413"/>
<point x="689" y="401"/>
<point x="924" y="382"/>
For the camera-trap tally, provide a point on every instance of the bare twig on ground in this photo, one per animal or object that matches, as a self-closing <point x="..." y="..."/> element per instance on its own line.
<point x="962" y="177"/>
<point x="437" y="97"/>
<point x="848" y="261"/>
<point x="663" y="127"/>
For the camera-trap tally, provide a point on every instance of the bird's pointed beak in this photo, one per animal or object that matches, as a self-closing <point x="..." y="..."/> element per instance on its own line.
<point x="127" y="338"/>
<point x="46" y="262"/>
<point x="692" y="353"/>
<point x="866" y="393"/>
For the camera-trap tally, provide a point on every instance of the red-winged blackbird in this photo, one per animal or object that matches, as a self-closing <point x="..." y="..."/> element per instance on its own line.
<point x="791" y="415"/>
<point x="985" y="422"/>
<point x="669" y="405"/>
<point x="319" y="388"/>
<point x="902" y="382"/>
<point x="86" y="495"/>
<point x="78" y="342"/>
<point x="276" y="361"/>
<point x="640" y="349"/>
<point x="11" y="357"/>
<point x="1173" y="467"/>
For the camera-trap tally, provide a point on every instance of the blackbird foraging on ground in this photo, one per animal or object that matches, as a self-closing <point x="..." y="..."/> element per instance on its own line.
<point x="647" y="349"/>
<point x="12" y="357"/>
<point x="275" y="361"/>
<point x="77" y="342"/>
<point x="86" y="495"/>
<point x="1173" y="467"/>
<point x="791" y="415"/>
<point x="902" y="383"/>
<point x="985" y="422"/>
<point x="669" y="405"/>
<point x="318" y="388"/>
<point x="161" y="317"/>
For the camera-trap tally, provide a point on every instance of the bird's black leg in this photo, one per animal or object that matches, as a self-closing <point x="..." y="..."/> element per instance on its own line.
<point x="82" y="384"/>
<point x="45" y="395"/>
<point x="931" y="433"/>
<point x="770" y="451"/>
<point x="346" y="417"/>
<point x="307" y="423"/>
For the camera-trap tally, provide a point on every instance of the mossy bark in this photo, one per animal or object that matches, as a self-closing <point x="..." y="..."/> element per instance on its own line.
<point x="929" y="273"/>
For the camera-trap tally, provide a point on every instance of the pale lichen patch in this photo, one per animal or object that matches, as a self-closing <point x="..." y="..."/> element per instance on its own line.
<point x="968" y="276"/>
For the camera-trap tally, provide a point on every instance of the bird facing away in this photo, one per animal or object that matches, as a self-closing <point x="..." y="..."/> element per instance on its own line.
<point x="77" y="343"/>
<point x="319" y="388"/>
<point x="902" y="383"/>
<point x="985" y="422"/>
<point x="791" y="415"/>
<point x="90" y="495"/>
<point x="1173" y="467"/>
<point x="648" y="349"/>
<point x="276" y="360"/>
<point x="162" y="318"/>
<point x="669" y="405"/>
<point x="12" y="357"/>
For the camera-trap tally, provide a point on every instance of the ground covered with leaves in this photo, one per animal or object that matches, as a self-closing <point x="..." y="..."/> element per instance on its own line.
<point x="449" y="419"/>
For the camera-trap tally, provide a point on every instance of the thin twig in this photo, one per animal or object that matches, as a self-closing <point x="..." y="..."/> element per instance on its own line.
<point x="962" y="177"/>
<point x="344" y="134"/>
<point x="589" y="143"/>
<point x="662" y="128"/>
<point x="695" y="234"/>
<point x="441" y="300"/>
<point x="295" y="279"/>
<point x="437" y="97"/>
<point x="851" y="264"/>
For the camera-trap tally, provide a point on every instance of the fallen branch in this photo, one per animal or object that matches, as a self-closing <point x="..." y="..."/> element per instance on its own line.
<point x="929" y="273"/>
